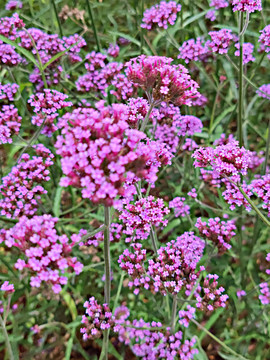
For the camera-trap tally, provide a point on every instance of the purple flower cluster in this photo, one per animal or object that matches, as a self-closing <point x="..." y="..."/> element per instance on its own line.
<point x="210" y="297"/>
<point x="8" y="91"/>
<point x="113" y="50"/>
<point x="211" y="15"/>
<point x="10" y="123"/>
<point x="264" y="39"/>
<point x="247" y="52"/>
<point x="172" y="270"/>
<point x="186" y="315"/>
<point x="21" y="188"/>
<point x="264" y="90"/>
<point x="264" y="287"/>
<point x="162" y="81"/>
<point x="247" y="5"/>
<point x="8" y="288"/>
<point x="219" y="4"/>
<point x="220" y="40"/>
<point x="99" y="152"/>
<point x="137" y="110"/>
<point x="160" y="15"/>
<point x="194" y="50"/>
<point x="9" y="26"/>
<point x="46" y="254"/>
<point x="261" y="188"/>
<point x="46" y="104"/>
<point x="124" y="89"/>
<point x="189" y="125"/>
<point x="13" y="5"/>
<point x="115" y="235"/>
<point x="217" y="231"/>
<point x="140" y="216"/>
<point x="226" y="160"/>
<point x="179" y="207"/>
<point x="8" y="56"/>
<point x="99" y="319"/>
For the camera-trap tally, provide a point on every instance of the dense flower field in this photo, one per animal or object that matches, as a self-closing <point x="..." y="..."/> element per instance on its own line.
<point x="134" y="180"/>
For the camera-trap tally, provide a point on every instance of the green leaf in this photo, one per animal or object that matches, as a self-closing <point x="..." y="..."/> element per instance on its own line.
<point x="70" y="304"/>
<point x="25" y="52"/>
<point x="57" y="201"/>
<point x="111" y="349"/>
<point x="222" y="116"/>
<point x="194" y="18"/>
<point x="57" y="56"/>
<point x="70" y="344"/>
<point x="211" y="322"/>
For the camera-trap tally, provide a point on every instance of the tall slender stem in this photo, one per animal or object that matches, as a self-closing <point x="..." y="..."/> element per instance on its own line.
<point x="267" y="150"/>
<point x="107" y="288"/>
<point x="145" y="121"/>
<point x="57" y="18"/>
<point x="89" y="9"/>
<point x="174" y="310"/>
<point x="240" y="77"/>
<point x="5" y="333"/>
<point x="142" y="30"/>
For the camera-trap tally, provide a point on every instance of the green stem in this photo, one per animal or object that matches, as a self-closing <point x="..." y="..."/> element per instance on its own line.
<point x="218" y="341"/>
<point x="57" y="18"/>
<point x="240" y="79"/>
<point x="5" y="333"/>
<point x="89" y="9"/>
<point x="267" y="150"/>
<point x="145" y="121"/>
<point x="107" y="288"/>
<point x="174" y="310"/>
<point x="141" y="29"/>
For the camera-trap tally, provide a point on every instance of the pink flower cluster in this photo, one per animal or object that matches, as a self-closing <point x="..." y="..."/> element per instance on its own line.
<point x="99" y="319"/>
<point x="247" y="5"/>
<point x="46" y="254"/>
<point x="113" y="50"/>
<point x="140" y="216"/>
<point x="13" y="5"/>
<point x="10" y="123"/>
<point x="9" y="26"/>
<point x="115" y="235"/>
<point x="220" y="40"/>
<point x="46" y="104"/>
<point x="8" y="56"/>
<point x="189" y="125"/>
<point x="162" y="81"/>
<point x="211" y="15"/>
<point x="21" y="188"/>
<point x="264" y="39"/>
<point x="137" y="110"/>
<point x="8" y="288"/>
<point x="179" y="207"/>
<point x="264" y="287"/>
<point x="217" y="231"/>
<point x="160" y="15"/>
<point x="194" y="50"/>
<point x="210" y="297"/>
<point x="261" y="188"/>
<point x="226" y="160"/>
<point x="219" y="4"/>
<point x="186" y="315"/>
<point x="172" y="270"/>
<point x="8" y="91"/>
<point x="99" y="152"/>
<point x="264" y="90"/>
<point x="247" y="52"/>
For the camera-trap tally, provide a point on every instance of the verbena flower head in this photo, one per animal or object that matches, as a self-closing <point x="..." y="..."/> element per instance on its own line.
<point x="162" y="81"/>
<point x="261" y="188"/>
<point x="210" y="297"/>
<point x="100" y="152"/>
<point x="188" y="125"/>
<point x="186" y="315"/>
<point x="247" y="5"/>
<point x="21" y="188"/>
<point x="10" y="123"/>
<point x="217" y="231"/>
<point x="264" y="39"/>
<point x="137" y="110"/>
<point x="97" y="319"/>
<point x="8" y="91"/>
<point x="113" y="50"/>
<point x="172" y="270"/>
<point x="9" y="26"/>
<point x="264" y="90"/>
<point x="219" y="4"/>
<point x="140" y="216"/>
<point x="194" y="50"/>
<point x="8" y="56"/>
<point x="211" y="15"/>
<point x="44" y="253"/>
<point x="220" y="40"/>
<point x="13" y="5"/>
<point x="247" y="52"/>
<point x="226" y="160"/>
<point x="179" y="207"/>
<point x="160" y="15"/>
<point x="8" y="288"/>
